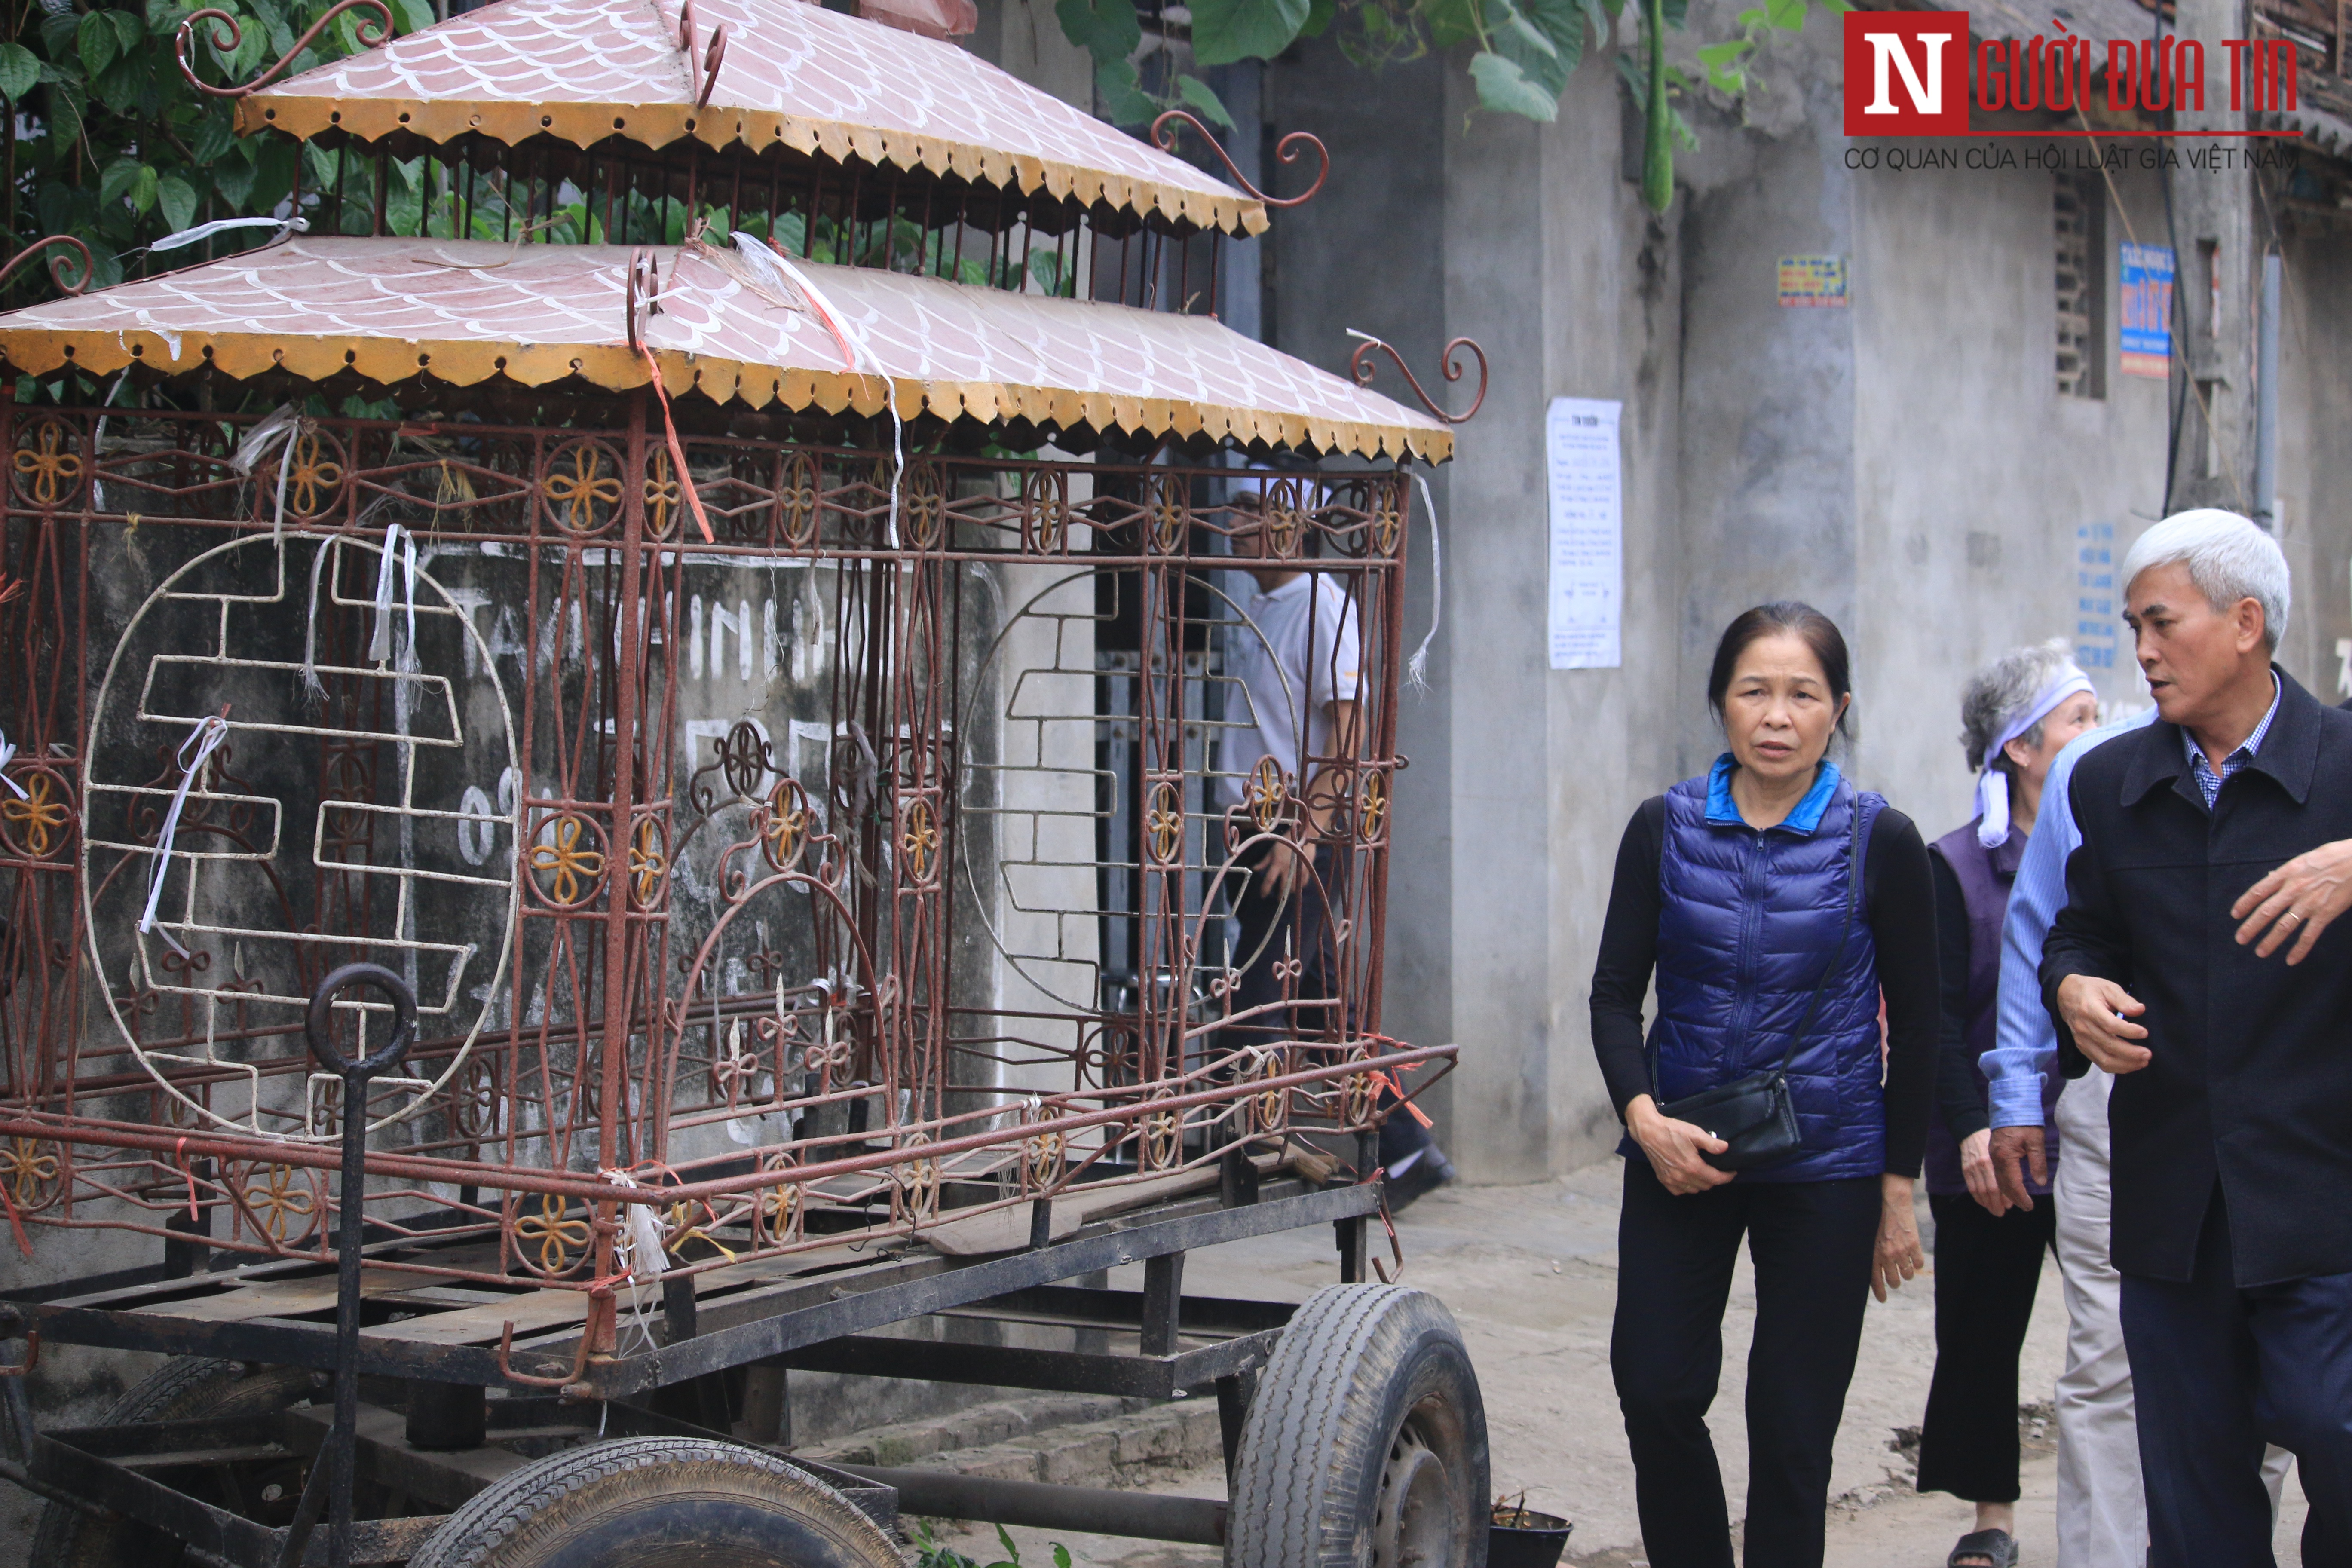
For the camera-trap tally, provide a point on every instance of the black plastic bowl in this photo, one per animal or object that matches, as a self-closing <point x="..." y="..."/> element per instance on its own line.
<point x="1537" y="1542"/>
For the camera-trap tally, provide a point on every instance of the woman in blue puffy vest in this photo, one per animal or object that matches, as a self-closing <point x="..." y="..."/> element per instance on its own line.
<point x="1777" y="906"/>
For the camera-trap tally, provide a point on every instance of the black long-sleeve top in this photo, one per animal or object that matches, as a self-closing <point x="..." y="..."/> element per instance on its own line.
<point x="1899" y="898"/>
<point x="1960" y="1091"/>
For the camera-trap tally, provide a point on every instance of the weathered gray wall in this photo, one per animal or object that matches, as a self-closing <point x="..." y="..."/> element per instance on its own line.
<point x="1907" y="463"/>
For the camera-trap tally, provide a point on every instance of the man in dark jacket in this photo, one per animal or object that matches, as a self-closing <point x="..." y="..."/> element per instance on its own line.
<point x="2232" y="1107"/>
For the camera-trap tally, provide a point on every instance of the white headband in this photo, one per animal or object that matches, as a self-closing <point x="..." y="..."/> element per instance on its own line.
<point x="1992" y="785"/>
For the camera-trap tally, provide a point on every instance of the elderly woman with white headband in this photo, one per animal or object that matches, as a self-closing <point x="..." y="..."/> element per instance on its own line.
<point x="2017" y="715"/>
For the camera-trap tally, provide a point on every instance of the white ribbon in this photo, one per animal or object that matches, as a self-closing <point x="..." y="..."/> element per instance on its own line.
<point x="8" y="755"/>
<point x="285" y="225"/>
<point x="395" y="538"/>
<point x="857" y="356"/>
<point x="206" y="738"/>
<point x="1416" y="670"/>
<point x="1992" y="785"/>
<point x="274" y="430"/>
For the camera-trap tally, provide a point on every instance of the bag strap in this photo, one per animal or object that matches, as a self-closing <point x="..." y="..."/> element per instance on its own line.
<point x="1845" y="931"/>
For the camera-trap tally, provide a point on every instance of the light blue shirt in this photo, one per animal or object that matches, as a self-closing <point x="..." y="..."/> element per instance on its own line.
<point x="2025" y="1045"/>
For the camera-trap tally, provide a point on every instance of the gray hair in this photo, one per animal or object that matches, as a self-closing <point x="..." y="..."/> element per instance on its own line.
<point x="2002" y="690"/>
<point x="2228" y="558"/>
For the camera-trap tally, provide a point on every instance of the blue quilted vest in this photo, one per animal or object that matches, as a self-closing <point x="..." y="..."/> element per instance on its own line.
<point x="1747" y="925"/>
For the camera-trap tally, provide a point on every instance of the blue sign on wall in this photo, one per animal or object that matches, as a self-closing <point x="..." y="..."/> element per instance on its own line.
<point x="2147" y="311"/>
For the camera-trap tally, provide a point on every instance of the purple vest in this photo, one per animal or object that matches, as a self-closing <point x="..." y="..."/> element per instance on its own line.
<point x="1985" y="877"/>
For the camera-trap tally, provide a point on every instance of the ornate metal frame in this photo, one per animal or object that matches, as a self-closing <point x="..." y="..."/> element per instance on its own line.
<point x="750" y="971"/>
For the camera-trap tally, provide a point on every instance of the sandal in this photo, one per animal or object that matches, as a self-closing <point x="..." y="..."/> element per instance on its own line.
<point x="1995" y="1547"/>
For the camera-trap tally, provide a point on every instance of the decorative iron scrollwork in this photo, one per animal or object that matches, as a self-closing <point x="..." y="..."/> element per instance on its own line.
<point x="583" y="487"/>
<point x="1163" y="136"/>
<point x="567" y="858"/>
<point x="57" y="264"/>
<point x="1361" y="365"/>
<point x="47" y="463"/>
<point x="372" y="33"/>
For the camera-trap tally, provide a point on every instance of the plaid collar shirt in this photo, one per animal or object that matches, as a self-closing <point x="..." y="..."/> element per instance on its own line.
<point x="2208" y="783"/>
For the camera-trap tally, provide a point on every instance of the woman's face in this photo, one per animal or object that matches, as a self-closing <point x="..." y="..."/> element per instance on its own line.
<point x="1779" y="712"/>
<point x="2069" y="718"/>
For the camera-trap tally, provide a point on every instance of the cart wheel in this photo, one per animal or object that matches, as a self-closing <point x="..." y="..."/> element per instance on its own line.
<point x="659" y="1502"/>
<point x="190" y="1388"/>
<point x="1366" y="1443"/>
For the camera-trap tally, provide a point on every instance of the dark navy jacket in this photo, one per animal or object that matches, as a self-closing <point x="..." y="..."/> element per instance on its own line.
<point x="2249" y="1087"/>
<point x="1748" y="927"/>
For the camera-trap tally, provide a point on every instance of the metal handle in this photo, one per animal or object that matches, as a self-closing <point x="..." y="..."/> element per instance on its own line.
<point x="335" y="1463"/>
<point x="320" y="1023"/>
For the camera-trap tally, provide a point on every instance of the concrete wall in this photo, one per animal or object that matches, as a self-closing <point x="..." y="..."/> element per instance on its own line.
<point x="1908" y="464"/>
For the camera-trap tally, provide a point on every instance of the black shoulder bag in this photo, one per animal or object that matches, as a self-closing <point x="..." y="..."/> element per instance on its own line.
<point x="1756" y="1115"/>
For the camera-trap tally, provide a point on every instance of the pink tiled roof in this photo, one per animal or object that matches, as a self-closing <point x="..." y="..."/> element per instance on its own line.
<point x="465" y="311"/>
<point x="793" y="73"/>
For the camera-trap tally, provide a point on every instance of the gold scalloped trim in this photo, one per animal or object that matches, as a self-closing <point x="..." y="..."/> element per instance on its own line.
<point x="37" y="351"/>
<point x="656" y="125"/>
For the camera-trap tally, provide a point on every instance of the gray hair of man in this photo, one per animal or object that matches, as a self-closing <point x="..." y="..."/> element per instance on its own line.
<point x="2000" y="692"/>
<point x="2228" y="558"/>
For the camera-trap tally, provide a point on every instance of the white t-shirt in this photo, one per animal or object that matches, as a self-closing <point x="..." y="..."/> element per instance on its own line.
<point x="1293" y="653"/>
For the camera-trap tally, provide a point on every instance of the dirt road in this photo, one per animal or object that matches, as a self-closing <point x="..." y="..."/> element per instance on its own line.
<point x="1530" y="1274"/>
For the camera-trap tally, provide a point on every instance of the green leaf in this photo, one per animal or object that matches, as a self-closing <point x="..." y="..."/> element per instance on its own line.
<point x="97" y="42"/>
<point x="66" y="103"/>
<point x="1546" y="41"/>
<point x="144" y="187"/>
<point x="130" y="32"/>
<point x="57" y="33"/>
<point x="1199" y="95"/>
<point x="1225" y="31"/>
<point x="1319" y="15"/>
<point x="105" y="266"/>
<point x="178" y="200"/>
<point x="1012" y="1553"/>
<point x="1453" y="22"/>
<point x="117" y="179"/>
<point x="215" y="134"/>
<point x="1504" y="87"/>
<point x="20" y="71"/>
<point x="233" y="178"/>
<point x="1723" y="72"/>
<point x="1106" y="29"/>
<point x="1124" y="101"/>
<point x="1061" y="1555"/>
<point x="1512" y="27"/>
<point x="1788" y="15"/>
<point x="414" y="15"/>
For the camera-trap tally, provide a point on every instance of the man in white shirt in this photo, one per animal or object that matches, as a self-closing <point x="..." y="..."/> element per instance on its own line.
<point x="1293" y="663"/>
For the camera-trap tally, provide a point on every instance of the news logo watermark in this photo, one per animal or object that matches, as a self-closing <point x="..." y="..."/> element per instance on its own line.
<point x="1915" y="73"/>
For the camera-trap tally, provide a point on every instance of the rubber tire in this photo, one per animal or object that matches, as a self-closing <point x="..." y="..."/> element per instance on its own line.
<point x="189" y="1388"/>
<point x="659" y="1502"/>
<point x="1333" y="1403"/>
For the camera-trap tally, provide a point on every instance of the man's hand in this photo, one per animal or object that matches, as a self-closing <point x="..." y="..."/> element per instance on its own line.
<point x="1976" y="1169"/>
<point x="1673" y="1148"/>
<point x="1286" y="868"/>
<point x="2090" y="1008"/>
<point x="2299" y="899"/>
<point x="1898" y="1255"/>
<point x="2016" y="1149"/>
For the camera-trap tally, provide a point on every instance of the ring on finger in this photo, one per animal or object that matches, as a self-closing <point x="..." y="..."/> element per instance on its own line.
<point x="2291" y="915"/>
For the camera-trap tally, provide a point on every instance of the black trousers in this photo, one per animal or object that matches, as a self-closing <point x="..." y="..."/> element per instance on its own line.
<point x="1986" y="1272"/>
<point x="1811" y="1243"/>
<point x="2217" y="1371"/>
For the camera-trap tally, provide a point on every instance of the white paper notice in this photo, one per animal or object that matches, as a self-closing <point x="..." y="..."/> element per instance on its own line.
<point x="1588" y="552"/>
